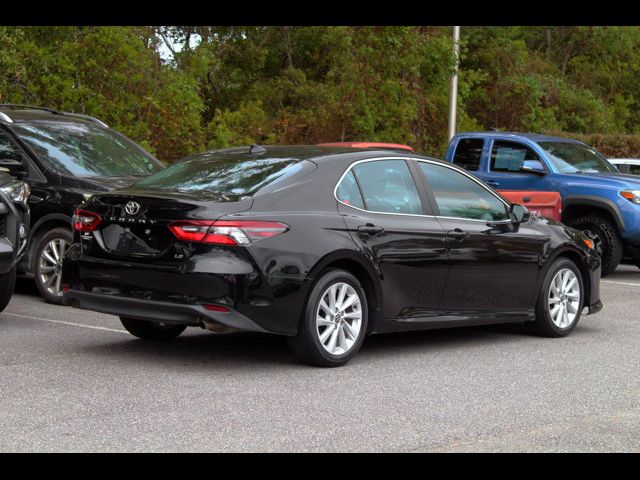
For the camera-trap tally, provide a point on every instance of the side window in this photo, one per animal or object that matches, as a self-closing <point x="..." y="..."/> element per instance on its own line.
<point x="348" y="191"/>
<point x="387" y="187"/>
<point x="634" y="169"/>
<point x="459" y="196"/>
<point x="510" y="156"/>
<point x="8" y="150"/>
<point x="468" y="153"/>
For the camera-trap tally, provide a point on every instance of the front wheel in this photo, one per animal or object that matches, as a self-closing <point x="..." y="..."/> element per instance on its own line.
<point x="47" y="269"/>
<point x="334" y="322"/>
<point x="561" y="300"/>
<point x="606" y="240"/>
<point x="146" y="330"/>
<point x="7" y="284"/>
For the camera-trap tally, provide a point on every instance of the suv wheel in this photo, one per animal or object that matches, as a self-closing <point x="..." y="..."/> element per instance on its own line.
<point x="561" y="300"/>
<point x="7" y="284"/>
<point x="47" y="263"/>
<point x="606" y="239"/>
<point x="152" y="330"/>
<point x="334" y="322"/>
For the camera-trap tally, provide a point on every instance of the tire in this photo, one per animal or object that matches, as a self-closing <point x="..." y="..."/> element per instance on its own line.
<point x="51" y="293"/>
<point x="7" y="284"/>
<point x="607" y="239"/>
<point x="346" y="331"/>
<point x="146" y="330"/>
<point x="546" y="324"/>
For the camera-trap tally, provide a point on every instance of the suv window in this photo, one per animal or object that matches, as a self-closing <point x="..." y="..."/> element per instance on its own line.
<point x="461" y="197"/>
<point x="349" y="192"/>
<point x="85" y="150"/>
<point x="8" y="149"/>
<point x="468" y="153"/>
<point x="387" y="187"/>
<point x="509" y="156"/>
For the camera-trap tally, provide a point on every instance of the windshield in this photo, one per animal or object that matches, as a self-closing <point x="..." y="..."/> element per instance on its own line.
<point x="85" y="150"/>
<point x="223" y="174"/>
<point x="577" y="158"/>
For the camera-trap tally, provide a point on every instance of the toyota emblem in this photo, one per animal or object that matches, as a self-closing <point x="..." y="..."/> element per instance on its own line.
<point x="132" y="208"/>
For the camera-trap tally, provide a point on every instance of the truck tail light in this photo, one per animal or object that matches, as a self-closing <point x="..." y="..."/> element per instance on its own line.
<point x="85" y="221"/>
<point x="226" y="232"/>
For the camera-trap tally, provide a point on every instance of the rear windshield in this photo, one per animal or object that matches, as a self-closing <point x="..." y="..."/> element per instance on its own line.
<point x="224" y="174"/>
<point x="85" y="150"/>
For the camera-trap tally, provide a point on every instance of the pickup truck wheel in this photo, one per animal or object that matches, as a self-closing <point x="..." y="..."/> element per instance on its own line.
<point x="47" y="263"/>
<point x="606" y="239"/>
<point x="7" y="284"/>
<point x="146" y="330"/>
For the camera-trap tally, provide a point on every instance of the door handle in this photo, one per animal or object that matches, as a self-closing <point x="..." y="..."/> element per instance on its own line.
<point x="370" y="229"/>
<point x="458" y="235"/>
<point x="493" y="183"/>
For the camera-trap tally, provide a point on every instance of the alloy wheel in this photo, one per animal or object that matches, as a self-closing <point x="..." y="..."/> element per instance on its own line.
<point x="339" y="318"/>
<point x="564" y="298"/>
<point x="50" y="265"/>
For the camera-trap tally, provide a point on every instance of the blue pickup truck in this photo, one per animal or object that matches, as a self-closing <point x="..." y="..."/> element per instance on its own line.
<point x="596" y="197"/>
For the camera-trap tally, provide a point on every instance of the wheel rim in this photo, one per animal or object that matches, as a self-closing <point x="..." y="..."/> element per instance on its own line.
<point x="564" y="298"/>
<point x="597" y="241"/>
<point x="50" y="265"/>
<point x="339" y="318"/>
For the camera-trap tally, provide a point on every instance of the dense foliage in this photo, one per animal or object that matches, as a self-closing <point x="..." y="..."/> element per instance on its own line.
<point x="178" y="90"/>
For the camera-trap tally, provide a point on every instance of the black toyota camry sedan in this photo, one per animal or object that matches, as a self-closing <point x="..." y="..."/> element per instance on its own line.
<point x="325" y="246"/>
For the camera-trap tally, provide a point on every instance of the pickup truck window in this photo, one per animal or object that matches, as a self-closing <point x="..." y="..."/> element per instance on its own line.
<point x="576" y="158"/>
<point x="509" y="156"/>
<point x="468" y="153"/>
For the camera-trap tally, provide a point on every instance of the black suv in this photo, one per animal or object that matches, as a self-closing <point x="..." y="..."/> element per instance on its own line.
<point x="65" y="158"/>
<point x="14" y="228"/>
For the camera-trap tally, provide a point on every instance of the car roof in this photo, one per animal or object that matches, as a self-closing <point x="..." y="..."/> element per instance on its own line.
<point x="306" y="152"/>
<point x="26" y="114"/>
<point x="534" y="137"/>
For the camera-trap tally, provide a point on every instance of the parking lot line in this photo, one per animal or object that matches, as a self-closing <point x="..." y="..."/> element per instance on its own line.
<point x="62" y="322"/>
<point x="620" y="283"/>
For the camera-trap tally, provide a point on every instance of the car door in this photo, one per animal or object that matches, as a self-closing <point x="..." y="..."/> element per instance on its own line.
<point x="389" y="218"/>
<point x="493" y="263"/>
<point x="504" y="170"/>
<point x="17" y="161"/>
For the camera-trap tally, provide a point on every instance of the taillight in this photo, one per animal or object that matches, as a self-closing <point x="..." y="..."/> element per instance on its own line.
<point x="226" y="232"/>
<point x="84" y="221"/>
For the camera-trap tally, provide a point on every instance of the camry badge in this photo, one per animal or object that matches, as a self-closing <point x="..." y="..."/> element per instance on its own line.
<point x="132" y="208"/>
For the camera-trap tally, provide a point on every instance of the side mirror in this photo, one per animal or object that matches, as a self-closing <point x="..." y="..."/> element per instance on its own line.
<point x="519" y="213"/>
<point x="532" y="166"/>
<point x="13" y="167"/>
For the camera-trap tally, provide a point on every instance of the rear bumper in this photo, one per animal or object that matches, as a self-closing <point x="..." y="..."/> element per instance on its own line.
<point x="167" y="312"/>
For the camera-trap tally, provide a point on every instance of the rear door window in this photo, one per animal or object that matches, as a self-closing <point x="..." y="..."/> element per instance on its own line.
<point x="349" y="192"/>
<point x="469" y="153"/>
<point x="388" y="187"/>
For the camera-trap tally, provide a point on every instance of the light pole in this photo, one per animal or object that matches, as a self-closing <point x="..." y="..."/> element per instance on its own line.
<point x="453" y="90"/>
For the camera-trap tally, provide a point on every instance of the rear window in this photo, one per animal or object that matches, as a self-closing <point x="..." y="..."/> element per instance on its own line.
<point x="225" y="174"/>
<point x="468" y="153"/>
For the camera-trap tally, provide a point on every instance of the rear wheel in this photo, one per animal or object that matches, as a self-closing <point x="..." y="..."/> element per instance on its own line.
<point x="7" y="284"/>
<point x="47" y="269"/>
<point x="606" y="239"/>
<point x="561" y="300"/>
<point x="152" y="330"/>
<point x="334" y="322"/>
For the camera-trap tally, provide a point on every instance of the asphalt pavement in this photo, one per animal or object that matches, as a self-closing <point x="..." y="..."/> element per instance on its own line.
<point x="73" y="380"/>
